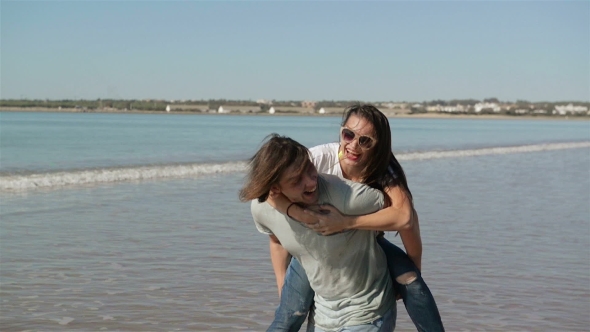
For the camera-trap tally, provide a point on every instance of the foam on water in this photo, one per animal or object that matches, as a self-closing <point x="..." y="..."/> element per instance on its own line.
<point x="111" y="175"/>
<point x="60" y="179"/>
<point x="490" y="151"/>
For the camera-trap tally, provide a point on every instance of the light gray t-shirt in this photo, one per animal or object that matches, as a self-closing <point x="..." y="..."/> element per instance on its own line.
<point x="348" y="270"/>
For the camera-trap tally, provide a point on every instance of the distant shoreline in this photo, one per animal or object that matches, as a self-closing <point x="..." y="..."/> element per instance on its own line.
<point x="391" y="114"/>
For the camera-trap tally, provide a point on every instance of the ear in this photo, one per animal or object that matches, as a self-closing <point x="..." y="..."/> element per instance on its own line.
<point x="275" y="189"/>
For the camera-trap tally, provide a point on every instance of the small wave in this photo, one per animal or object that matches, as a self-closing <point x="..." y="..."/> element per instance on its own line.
<point x="60" y="179"/>
<point x="83" y="177"/>
<point x="491" y="151"/>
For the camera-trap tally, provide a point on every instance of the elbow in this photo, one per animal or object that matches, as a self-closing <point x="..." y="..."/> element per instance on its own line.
<point x="407" y="220"/>
<point x="403" y="215"/>
<point x="406" y="226"/>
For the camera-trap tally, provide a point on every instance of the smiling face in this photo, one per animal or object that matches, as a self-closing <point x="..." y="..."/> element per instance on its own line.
<point x="354" y="157"/>
<point x="299" y="184"/>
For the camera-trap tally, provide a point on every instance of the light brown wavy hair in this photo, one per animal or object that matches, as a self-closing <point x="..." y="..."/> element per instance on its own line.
<point x="270" y="162"/>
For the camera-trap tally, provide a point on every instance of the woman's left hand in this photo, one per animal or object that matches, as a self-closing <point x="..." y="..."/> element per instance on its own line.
<point x="330" y="220"/>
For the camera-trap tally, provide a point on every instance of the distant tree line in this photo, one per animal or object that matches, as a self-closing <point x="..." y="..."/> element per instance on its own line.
<point x="213" y="104"/>
<point x="335" y="103"/>
<point x="87" y="104"/>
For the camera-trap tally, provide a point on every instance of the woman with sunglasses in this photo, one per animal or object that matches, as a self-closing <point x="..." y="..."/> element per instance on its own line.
<point x="362" y="155"/>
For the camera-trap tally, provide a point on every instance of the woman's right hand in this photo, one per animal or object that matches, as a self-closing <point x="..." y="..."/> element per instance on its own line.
<point x="329" y="219"/>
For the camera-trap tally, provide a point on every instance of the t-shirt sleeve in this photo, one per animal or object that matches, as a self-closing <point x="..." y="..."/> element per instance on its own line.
<point x="257" y="215"/>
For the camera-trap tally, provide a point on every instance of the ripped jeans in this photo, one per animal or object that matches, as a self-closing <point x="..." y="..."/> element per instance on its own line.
<point x="297" y="295"/>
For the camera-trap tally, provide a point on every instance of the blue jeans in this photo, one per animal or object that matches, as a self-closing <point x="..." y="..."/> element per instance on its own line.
<point x="296" y="300"/>
<point x="297" y="295"/>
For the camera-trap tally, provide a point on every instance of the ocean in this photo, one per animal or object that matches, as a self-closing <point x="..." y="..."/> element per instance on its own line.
<point x="131" y="222"/>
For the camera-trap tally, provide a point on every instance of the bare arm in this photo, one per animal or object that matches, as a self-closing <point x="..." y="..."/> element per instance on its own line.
<point x="399" y="216"/>
<point x="396" y="217"/>
<point x="282" y="203"/>
<point x="280" y="259"/>
<point x="412" y="241"/>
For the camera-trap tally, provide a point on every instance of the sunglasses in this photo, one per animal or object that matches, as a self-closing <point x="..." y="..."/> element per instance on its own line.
<point x="365" y="142"/>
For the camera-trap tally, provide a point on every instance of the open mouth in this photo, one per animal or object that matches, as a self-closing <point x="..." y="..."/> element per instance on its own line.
<point x="352" y="156"/>
<point x="310" y="192"/>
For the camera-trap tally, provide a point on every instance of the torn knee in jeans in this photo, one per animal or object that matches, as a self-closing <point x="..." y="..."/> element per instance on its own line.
<point x="299" y="313"/>
<point x="406" y="278"/>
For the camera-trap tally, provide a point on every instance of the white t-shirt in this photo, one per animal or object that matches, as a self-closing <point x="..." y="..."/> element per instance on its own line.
<point x="348" y="270"/>
<point x="325" y="158"/>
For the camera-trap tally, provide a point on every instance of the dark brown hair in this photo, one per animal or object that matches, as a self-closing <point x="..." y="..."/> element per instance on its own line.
<point x="383" y="170"/>
<point x="270" y="162"/>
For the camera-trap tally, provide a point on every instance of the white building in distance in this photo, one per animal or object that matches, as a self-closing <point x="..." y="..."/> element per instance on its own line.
<point x="482" y="106"/>
<point x="446" y="109"/>
<point x="453" y="109"/>
<point x="563" y="110"/>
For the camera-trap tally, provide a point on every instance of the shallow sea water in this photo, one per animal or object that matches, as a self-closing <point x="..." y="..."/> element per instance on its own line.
<point x="506" y="248"/>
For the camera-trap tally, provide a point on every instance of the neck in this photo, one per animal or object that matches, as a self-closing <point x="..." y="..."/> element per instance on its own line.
<point x="351" y="173"/>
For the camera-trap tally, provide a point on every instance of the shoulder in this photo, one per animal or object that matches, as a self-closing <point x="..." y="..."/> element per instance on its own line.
<point x="351" y="197"/>
<point x="263" y="214"/>
<point x="334" y="182"/>
<point x="324" y="149"/>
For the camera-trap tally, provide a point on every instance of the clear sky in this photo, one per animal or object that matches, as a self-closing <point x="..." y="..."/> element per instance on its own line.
<point x="296" y="50"/>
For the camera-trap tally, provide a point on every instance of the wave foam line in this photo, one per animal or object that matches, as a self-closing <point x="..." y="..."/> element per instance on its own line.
<point x="61" y="179"/>
<point x="491" y="151"/>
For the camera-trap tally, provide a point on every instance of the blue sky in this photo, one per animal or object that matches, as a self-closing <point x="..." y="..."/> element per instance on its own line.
<point x="296" y="50"/>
